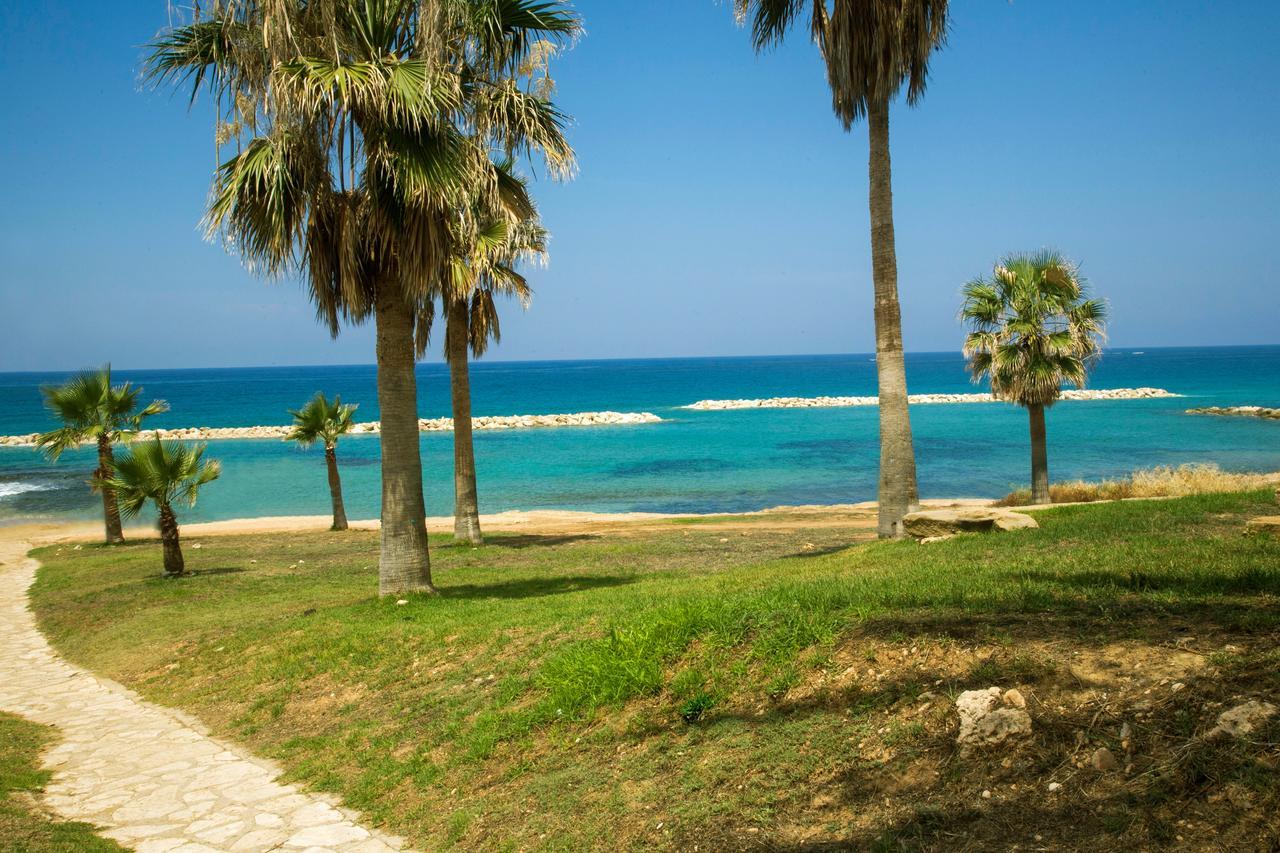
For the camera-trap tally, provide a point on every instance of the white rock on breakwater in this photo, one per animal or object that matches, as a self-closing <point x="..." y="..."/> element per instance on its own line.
<point x="836" y="402"/>
<point x="1240" y="411"/>
<point x="371" y="427"/>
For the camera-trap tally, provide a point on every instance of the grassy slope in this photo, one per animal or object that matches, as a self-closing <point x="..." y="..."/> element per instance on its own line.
<point x="542" y="700"/>
<point x="24" y="826"/>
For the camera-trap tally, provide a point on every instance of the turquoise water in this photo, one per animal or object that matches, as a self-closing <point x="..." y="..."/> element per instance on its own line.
<point x="694" y="461"/>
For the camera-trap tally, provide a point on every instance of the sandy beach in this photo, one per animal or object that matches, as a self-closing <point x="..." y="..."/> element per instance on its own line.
<point x="856" y="516"/>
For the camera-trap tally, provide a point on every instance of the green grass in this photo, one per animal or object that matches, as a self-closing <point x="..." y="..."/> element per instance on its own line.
<point x="569" y="689"/>
<point x="25" y="827"/>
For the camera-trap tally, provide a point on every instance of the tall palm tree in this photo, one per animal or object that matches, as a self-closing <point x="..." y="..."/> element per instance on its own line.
<point x="360" y="125"/>
<point x="165" y="473"/>
<point x="325" y="421"/>
<point x="1033" y="327"/>
<point x="92" y="409"/>
<point x="872" y="48"/>
<point x="485" y="268"/>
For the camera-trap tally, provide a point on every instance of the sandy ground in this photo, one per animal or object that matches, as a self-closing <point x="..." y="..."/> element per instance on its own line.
<point x="859" y="515"/>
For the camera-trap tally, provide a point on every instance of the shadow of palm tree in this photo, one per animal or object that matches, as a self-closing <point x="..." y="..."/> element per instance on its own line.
<point x="535" y="587"/>
<point x="1254" y="580"/>
<point x="534" y="540"/>
<point x="218" y="570"/>
<point x="821" y="552"/>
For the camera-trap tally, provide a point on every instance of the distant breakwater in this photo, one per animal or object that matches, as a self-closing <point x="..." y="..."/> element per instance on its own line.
<point x="835" y="402"/>
<point x="578" y="419"/>
<point x="1238" y="411"/>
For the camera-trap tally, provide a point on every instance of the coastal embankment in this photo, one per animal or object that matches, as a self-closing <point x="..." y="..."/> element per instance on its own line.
<point x="835" y="402"/>
<point x="1238" y="411"/>
<point x="578" y="419"/>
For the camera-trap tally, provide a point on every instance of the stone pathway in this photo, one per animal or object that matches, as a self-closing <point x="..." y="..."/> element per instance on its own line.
<point x="152" y="778"/>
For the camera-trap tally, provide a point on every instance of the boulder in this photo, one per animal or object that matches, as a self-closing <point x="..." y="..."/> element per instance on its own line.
<point x="932" y="523"/>
<point x="1243" y="719"/>
<point x="990" y="717"/>
<point x="1263" y="524"/>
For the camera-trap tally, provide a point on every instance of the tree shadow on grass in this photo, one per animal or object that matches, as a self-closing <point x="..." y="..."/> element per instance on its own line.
<point x="535" y="587"/>
<point x="821" y="552"/>
<point x="191" y="574"/>
<point x="533" y="540"/>
<point x="1248" y="582"/>
<point x="217" y="570"/>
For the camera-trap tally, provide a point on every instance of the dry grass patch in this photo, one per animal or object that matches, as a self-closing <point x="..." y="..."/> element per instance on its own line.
<point x="1161" y="482"/>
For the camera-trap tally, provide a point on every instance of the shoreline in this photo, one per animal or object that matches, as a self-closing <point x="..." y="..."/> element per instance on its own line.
<point x="539" y="521"/>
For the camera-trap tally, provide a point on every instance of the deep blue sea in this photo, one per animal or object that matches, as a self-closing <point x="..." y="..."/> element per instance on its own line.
<point x="694" y="461"/>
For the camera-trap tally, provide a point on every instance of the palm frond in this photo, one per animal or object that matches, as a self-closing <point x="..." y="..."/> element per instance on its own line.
<point x="162" y="472"/>
<point x="321" y="420"/>
<point x="1033" y="328"/>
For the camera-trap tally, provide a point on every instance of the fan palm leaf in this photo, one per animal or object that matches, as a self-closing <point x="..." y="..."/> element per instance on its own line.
<point x="1033" y="329"/>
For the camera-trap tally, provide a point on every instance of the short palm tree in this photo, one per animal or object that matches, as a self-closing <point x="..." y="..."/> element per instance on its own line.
<point x="325" y="421"/>
<point x="93" y="410"/>
<point x="165" y="473"/>
<point x="1033" y="328"/>
<point x="872" y="49"/>
<point x="481" y="270"/>
<point x="360" y="125"/>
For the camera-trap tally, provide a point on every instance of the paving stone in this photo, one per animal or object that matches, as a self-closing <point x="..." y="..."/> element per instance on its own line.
<point x="148" y="776"/>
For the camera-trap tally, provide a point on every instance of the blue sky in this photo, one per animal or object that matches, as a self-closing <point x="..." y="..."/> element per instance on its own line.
<point x="720" y="209"/>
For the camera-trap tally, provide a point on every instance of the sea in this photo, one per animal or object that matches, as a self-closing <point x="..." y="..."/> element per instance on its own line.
<point x="693" y="461"/>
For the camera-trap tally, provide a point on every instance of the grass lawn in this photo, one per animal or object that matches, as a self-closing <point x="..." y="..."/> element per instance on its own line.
<point x="25" y="827"/>
<point x="726" y="685"/>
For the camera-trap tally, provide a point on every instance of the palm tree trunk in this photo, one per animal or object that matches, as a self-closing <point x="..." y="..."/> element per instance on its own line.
<point x="404" y="564"/>
<point x="898" y="491"/>
<point x="466" y="503"/>
<point x="110" y="509"/>
<point x="335" y="489"/>
<point x="173" y="562"/>
<point x="1039" y="457"/>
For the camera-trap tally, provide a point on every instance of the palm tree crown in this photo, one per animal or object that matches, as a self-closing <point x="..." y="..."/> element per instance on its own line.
<point x="321" y="420"/>
<point x="164" y="472"/>
<point x="485" y="267"/>
<point x="90" y="407"/>
<point x="362" y="125"/>
<point x="871" y="47"/>
<point x="1033" y="328"/>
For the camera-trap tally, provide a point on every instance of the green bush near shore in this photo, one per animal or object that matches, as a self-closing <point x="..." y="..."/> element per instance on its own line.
<point x="689" y="683"/>
<point x="25" y="826"/>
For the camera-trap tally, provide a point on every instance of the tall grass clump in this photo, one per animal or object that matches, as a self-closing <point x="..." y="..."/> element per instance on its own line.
<point x="1164" y="481"/>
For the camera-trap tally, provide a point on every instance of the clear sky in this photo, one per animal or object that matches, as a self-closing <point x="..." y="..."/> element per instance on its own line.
<point x="720" y="209"/>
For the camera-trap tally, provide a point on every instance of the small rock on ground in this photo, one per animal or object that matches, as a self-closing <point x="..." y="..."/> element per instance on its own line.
<point x="991" y="717"/>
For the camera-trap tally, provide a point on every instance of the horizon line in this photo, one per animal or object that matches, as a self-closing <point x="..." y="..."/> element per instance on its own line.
<point x="480" y="362"/>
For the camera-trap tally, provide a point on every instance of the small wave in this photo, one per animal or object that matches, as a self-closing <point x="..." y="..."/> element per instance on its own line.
<point x="8" y="490"/>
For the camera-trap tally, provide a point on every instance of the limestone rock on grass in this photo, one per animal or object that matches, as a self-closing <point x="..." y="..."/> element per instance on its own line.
<point x="932" y="523"/>
<point x="1263" y="524"/>
<point x="991" y="717"/>
<point x="1243" y="719"/>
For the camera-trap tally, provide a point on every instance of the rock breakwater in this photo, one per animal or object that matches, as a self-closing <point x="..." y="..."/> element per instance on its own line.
<point x="578" y="419"/>
<point x="1238" y="411"/>
<point x="835" y="402"/>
